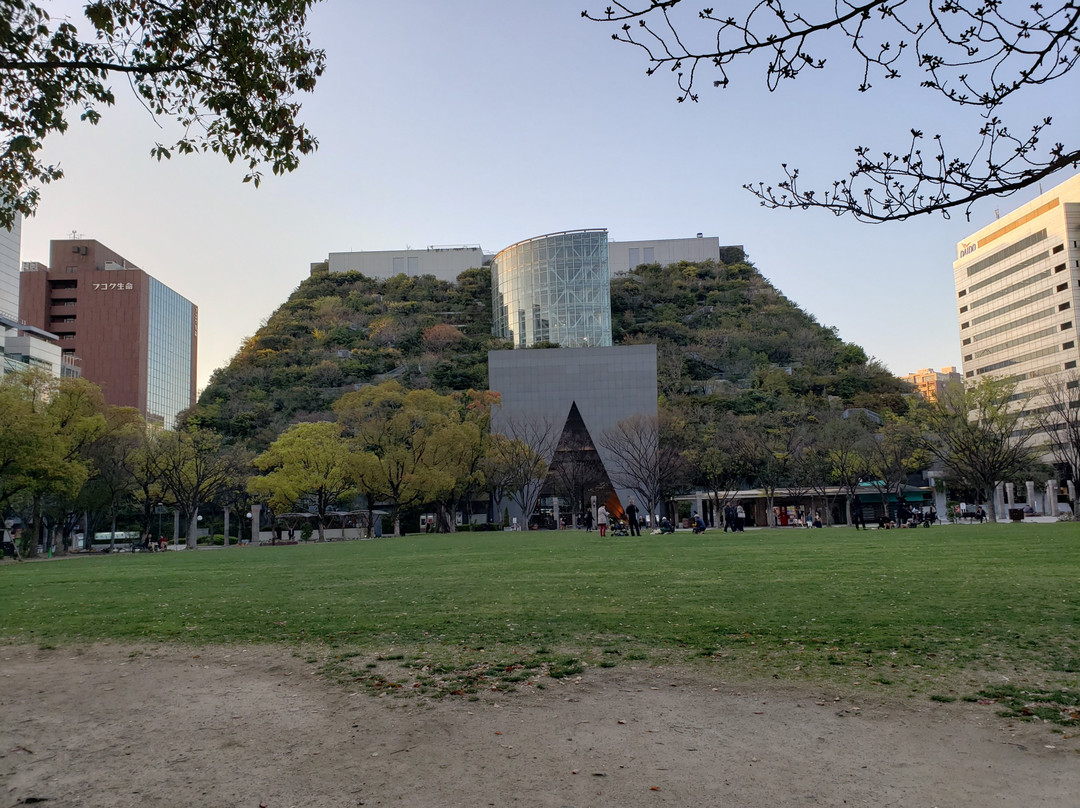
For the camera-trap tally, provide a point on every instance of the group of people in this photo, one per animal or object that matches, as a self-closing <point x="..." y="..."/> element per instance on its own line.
<point x="905" y="516"/>
<point x="604" y="520"/>
<point x="734" y="518"/>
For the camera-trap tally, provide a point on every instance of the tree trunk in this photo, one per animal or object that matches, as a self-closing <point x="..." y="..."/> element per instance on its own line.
<point x="193" y="530"/>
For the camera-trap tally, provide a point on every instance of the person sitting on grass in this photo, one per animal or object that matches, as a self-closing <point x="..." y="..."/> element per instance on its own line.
<point x="699" y="524"/>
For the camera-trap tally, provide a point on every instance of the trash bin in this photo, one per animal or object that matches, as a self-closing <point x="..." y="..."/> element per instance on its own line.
<point x="1016" y="514"/>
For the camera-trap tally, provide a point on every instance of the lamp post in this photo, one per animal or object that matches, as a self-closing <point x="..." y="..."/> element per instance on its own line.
<point x="248" y="517"/>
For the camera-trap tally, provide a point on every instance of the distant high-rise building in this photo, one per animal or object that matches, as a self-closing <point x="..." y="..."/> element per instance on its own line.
<point x="929" y="383"/>
<point x="1018" y="297"/>
<point x="136" y="338"/>
<point x="23" y="347"/>
<point x="1018" y="290"/>
<point x="9" y="270"/>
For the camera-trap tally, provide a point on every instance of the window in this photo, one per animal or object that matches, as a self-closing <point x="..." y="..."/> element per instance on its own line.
<point x="967" y="341"/>
<point x="1058" y="248"/>
<point x="968" y="358"/>
<point x="1066" y="326"/>
<point x="963" y="309"/>
<point x="414" y="265"/>
<point x="961" y="293"/>
<point x="634" y="257"/>
<point x="1059" y="268"/>
<point x="399" y="266"/>
<point x="1064" y="306"/>
<point x="1070" y="365"/>
<point x="648" y="255"/>
<point x="964" y="325"/>
<point x="1068" y="345"/>
<point x="1062" y="287"/>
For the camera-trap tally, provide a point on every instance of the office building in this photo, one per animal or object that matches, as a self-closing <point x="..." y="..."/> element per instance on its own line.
<point x="135" y="337"/>
<point x="1018" y="290"/>
<point x="23" y="347"/>
<point x="930" y="383"/>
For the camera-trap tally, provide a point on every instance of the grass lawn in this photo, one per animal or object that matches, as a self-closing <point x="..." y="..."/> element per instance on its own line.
<point x="949" y="612"/>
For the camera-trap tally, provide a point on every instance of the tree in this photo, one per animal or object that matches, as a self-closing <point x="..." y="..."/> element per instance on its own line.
<point x="716" y="456"/>
<point x="977" y="433"/>
<point x="643" y="459"/>
<point x="194" y="467"/>
<point x="309" y="463"/>
<point x="396" y="433"/>
<point x="111" y="458"/>
<point x="770" y="443"/>
<point x="977" y="54"/>
<point x="892" y="453"/>
<point x="525" y="455"/>
<point x="51" y="422"/>
<point x="1058" y="416"/>
<point x="226" y="73"/>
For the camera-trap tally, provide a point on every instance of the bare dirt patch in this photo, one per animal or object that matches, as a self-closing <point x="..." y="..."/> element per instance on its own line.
<point x="110" y="725"/>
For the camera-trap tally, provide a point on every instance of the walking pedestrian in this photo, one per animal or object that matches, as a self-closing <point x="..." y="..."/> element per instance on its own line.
<point x="632" y="518"/>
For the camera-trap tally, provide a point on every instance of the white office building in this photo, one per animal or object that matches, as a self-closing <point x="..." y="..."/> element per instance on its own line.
<point x="21" y="346"/>
<point x="1018" y="291"/>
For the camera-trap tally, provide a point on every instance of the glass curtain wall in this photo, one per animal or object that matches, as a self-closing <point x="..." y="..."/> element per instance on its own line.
<point x="554" y="288"/>
<point x="170" y="344"/>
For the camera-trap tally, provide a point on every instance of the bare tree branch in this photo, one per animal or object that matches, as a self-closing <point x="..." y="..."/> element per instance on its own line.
<point x="979" y="53"/>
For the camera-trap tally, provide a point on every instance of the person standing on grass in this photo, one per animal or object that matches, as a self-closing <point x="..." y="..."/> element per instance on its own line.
<point x="740" y="519"/>
<point x="601" y="520"/>
<point x="729" y="517"/>
<point x="857" y="513"/>
<point x="631" y="517"/>
<point x="587" y="520"/>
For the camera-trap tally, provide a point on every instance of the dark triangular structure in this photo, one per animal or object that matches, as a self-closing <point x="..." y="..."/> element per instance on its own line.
<point x="576" y="470"/>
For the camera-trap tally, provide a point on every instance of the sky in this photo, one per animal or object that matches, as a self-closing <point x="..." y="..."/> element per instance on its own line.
<point x="488" y="122"/>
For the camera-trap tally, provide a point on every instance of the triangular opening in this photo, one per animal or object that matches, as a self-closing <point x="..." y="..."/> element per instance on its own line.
<point x="576" y="472"/>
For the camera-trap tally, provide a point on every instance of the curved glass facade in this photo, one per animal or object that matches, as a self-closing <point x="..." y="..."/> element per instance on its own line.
<point x="554" y="288"/>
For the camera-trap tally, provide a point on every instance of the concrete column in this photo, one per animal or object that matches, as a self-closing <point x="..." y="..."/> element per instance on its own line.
<point x="999" y="501"/>
<point x="1072" y="495"/>
<point x="226" y="526"/>
<point x="1010" y="493"/>
<point x="555" y="510"/>
<point x="176" y="530"/>
<point x="1031" y="501"/>
<point x="256" y="535"/>
<point x="940" y="502"/>
<point x="1051" y="508"/>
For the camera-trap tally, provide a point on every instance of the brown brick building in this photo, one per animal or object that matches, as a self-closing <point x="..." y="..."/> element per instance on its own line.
<point x="133" y="336"/>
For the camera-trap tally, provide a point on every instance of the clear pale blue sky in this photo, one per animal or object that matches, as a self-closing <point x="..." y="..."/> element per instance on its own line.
<point x="486" y="122"/>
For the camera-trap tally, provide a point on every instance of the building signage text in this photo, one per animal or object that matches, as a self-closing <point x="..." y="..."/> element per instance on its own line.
<point x="113" y="287"/>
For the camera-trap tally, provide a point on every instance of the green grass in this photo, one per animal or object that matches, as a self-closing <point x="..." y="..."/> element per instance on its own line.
<point x="945" y="612"/>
